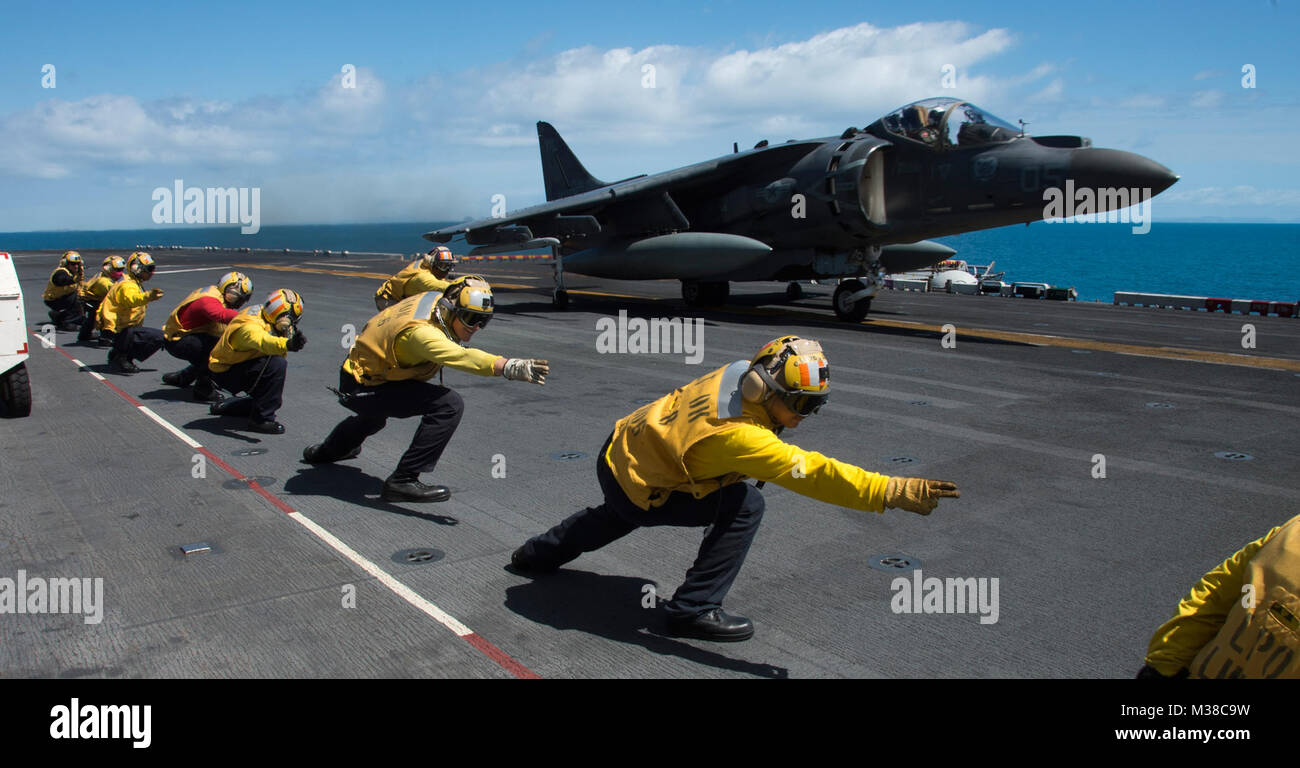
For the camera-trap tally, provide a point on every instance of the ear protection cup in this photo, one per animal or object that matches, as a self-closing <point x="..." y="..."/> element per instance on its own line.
<point x="752" y="387"/>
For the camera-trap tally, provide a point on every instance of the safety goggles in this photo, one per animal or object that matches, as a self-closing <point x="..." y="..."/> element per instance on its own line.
<point x="472" y="319"/>
<point x="804" y="403"/>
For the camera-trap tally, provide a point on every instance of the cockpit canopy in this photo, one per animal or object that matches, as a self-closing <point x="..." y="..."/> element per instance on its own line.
<point x="943" y="123"/>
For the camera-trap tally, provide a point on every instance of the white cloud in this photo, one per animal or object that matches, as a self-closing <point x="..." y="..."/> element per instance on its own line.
<point x="1206" y="99"/>
<point x="1051" y="93"/>
<point x="428" y="129"/>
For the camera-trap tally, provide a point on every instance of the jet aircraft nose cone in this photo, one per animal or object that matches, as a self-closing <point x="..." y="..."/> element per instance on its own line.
<point x="1113" y="168"/>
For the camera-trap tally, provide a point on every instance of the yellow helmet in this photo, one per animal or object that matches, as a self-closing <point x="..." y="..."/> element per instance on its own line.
<point x="113" y="266"/>
<point x="792" y="369"/>
<point x="238" y="281"/>
<point x="468" y="299"/>
<point x="439" y="259"/>
<point x="140" y="266"/>
<point x="71" y="261"/>
<point x="281" y="304"/>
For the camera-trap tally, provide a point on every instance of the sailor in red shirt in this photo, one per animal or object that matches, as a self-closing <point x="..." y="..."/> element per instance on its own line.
<point x="195" y="325"/>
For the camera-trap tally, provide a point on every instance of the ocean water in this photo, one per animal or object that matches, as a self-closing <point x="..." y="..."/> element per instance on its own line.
<point x="1239" y="261"/>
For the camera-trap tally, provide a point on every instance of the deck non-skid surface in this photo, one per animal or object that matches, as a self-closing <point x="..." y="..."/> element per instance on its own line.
<point x="1017" y="413"/>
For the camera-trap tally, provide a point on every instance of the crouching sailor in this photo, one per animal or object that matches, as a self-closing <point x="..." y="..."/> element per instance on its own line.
<point x="386" y="375"/>
<point x="195" y="326"/>
<point x="681" y="461"/>
<point x="427" y="273"/>
<point x="62" y="292"/>
<point x="122" y="312"/>
<point x="113" y="270"/>
<point x="250" y="357"/>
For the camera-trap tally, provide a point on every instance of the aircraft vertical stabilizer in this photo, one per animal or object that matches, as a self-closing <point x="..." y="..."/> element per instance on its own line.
<point x="563" y="175"/>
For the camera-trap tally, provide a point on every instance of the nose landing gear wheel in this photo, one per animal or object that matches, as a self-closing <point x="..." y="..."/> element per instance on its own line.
<point x="847" y="309"/>
<point x="560" y="299"/>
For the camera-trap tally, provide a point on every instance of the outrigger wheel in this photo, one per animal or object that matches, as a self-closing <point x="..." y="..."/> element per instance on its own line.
<point x="846" y="307"/>
<point x="697" y="293"/>
<point x="560" y="299"/>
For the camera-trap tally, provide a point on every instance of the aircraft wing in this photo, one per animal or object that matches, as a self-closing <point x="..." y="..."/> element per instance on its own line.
<point x="579" y="215"/>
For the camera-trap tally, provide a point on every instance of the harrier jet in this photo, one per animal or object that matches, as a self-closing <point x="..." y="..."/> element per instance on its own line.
<point x="855" y="206"/>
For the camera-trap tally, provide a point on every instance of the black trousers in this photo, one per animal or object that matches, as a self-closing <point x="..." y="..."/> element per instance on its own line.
<point x="65" y="309"/>
<point x="137" y="342"/>
<point x="438" y="407"/>
<point x="262" y="378"/>
<point x="732" y="514"/>
<point x="90" y="309"/>
<point x="194" y="349"/>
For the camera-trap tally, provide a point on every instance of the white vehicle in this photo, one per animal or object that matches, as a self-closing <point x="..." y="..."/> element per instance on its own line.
<point x="15" y="388"/>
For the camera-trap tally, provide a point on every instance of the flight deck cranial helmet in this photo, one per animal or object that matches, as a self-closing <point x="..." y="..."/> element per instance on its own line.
<point x="439" y="261"/>
<point x="282" y="310"/>
<point x="236" y="288"/>
<point x="72" y="262"/>
<point x="113" y="267"/>
<point x="469" y="300"/>
<point x="792" y="369"/>
<point x="140" y="266"/>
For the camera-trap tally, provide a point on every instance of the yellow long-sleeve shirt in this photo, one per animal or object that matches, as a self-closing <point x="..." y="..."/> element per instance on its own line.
<point x="252" y="337"/>
<point x="124" y="305"/>
<point x="425" y="343"/>
<point x="1202" y="613"/>
<point x="756" y="452"/>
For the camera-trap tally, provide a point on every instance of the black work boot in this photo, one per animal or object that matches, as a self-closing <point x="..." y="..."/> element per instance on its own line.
<point x="411" y="489"/>
<point x="715" y="625"/>
<point x="182" y="378"/>
<point x="265" y="427"/>
<point x="315" y="454"/>
<point x="205" y="391"/>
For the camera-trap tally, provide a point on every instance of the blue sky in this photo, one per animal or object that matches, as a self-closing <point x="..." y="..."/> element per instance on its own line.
<point x="441" y="118"/>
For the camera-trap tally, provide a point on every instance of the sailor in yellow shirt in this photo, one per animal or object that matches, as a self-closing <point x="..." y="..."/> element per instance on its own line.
<point x="250" y="357"/>
<point x="122" y="311"/>
<point x="681" y="461"/>
<point x="92" y="295"/>
<point x="1241" y="620"/>
<point x="62" y="292"/>
<point x="427" y="273"/>
<point x="387" y="371"/>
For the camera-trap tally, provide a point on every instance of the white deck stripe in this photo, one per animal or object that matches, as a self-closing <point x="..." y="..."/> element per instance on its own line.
<point x="402" y="591"/>
<point x="167" y="426"/>
<point x="96" y="375"/>
<point x="195" y="269"/>
<point x="382" y="576"/>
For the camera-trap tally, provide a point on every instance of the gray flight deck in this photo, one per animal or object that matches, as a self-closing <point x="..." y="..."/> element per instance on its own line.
<point x="1087" y="567"/>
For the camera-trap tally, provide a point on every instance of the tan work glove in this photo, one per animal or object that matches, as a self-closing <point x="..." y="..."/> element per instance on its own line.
<point x="518" y="369"/>
<point x="155" y="294"/>
<point x="916" y="494"/>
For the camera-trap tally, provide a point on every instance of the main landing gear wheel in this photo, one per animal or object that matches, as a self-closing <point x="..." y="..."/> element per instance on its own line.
<point x="847" y="309"/>
<point x="16" y="392"/>
<point x="793" y="292"/>
<point x="560" y="299"/>
<point x="704" y="294"/>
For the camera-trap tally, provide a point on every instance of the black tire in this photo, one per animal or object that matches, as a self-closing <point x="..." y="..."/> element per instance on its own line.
<point x="793" y="292"/>
<point x="702" y="294"/>
<point x="715" y="294"/>
<point x="692" y="293"/>
<point x="16" y="392"/>
<point x="560" y="300"/>
<point x="854" y="312"/>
